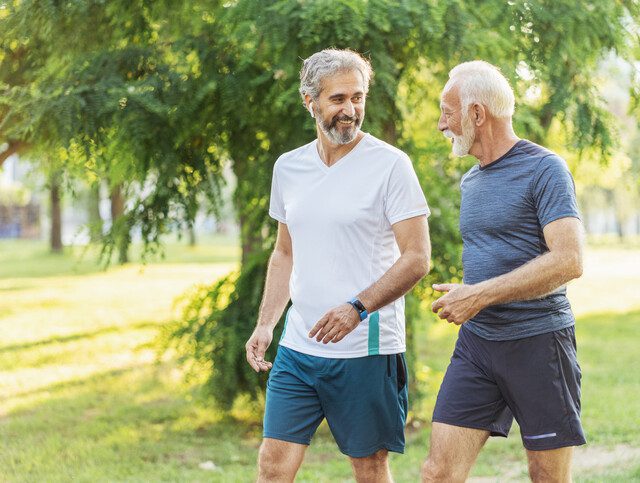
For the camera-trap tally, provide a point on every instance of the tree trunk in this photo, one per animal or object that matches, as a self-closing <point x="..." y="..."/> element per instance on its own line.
<point x="93" y="212"/>
<point x="191" y="232"/>
<point x="117" y="210"/>
<point x="249" y="238"/>
<point x="390" y="133"/>
<point x="56" y="214"/>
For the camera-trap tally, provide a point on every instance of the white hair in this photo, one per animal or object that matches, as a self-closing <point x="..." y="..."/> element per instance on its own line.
<point x="482" y="83"/>
<point x="328" y="62"/>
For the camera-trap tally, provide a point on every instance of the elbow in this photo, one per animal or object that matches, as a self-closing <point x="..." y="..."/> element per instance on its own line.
<point x="574" y="266"/>
<point x="578" y="269"/>
<point x="421" y="265"/>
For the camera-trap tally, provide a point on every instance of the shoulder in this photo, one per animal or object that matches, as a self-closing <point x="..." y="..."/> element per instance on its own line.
<point x="542" y="157"/>
<point x="383" y="151"/>
<point x="470" y="173"/>
<point x="292" y="157"/>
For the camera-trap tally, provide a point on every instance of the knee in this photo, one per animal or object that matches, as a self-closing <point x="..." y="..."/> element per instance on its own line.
<point x="375" y="464"/>
<point x="436" y="469"/>
<point x="540" y="472"/>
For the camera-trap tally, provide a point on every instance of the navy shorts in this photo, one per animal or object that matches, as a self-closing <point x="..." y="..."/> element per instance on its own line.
<point x="363" y="399"/>
<point x="535" y="379"/>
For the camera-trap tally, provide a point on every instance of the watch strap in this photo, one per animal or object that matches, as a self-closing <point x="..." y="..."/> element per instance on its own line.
<point x="359" y="306"/>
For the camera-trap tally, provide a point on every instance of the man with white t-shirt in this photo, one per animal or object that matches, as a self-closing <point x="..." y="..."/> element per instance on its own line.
<point x="352" y="240"/>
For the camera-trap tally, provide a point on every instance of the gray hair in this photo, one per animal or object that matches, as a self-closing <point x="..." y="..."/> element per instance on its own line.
<point x="328" y="62"/>
<point x="482" y="83"/>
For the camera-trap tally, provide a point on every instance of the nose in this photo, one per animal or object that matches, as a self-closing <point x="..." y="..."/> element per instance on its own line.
<point x="349" y="109"/>
<point x="442" y="123"/>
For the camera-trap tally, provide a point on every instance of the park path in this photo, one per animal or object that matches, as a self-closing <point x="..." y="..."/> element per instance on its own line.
<point x="587" y="461"/>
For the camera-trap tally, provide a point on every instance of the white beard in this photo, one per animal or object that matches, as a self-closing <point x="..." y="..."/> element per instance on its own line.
<point x="462" y="144"/>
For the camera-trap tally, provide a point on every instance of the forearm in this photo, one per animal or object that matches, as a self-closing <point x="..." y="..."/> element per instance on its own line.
<point x="276" y="291"/>
<point x="397" y="281"/>
<point x="534" y="279"/>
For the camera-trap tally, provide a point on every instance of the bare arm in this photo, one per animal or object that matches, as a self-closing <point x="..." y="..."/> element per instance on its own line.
<point x="412" y="237"/>
<point x="274" y="300"/>
<point x="539" y="277"/>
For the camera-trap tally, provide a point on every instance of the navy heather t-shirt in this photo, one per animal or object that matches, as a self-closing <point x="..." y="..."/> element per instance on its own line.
<point x="505" y="206"/>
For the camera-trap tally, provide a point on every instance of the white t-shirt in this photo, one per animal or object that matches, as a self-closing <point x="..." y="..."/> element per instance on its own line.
<point x="340" y="219"/>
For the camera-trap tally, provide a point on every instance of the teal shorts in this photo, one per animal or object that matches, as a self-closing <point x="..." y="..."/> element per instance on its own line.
<point x="363" y="399"/>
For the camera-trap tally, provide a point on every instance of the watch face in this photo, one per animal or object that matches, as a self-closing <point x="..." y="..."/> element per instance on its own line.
<point x="359" y="305"/>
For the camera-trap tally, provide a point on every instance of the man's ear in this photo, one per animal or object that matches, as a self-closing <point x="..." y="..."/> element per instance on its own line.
<point x="478" y="114"/>
<point x="310" y="107"/>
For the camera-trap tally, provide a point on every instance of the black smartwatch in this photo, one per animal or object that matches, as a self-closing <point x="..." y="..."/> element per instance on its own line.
<point x="356" y="304"/>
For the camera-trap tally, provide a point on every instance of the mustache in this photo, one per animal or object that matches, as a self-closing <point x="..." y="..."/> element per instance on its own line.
<point x="448" y="134"/>
<point x="343" y="117"/>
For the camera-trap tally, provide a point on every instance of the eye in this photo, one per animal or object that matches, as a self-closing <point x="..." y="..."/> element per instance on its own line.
<point x="357" y="98"/>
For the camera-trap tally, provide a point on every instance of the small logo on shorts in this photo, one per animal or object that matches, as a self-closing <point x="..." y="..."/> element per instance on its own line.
<point x="541" y="436"/>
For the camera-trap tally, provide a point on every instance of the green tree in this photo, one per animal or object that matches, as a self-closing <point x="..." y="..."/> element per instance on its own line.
<point x="157" y="96"/>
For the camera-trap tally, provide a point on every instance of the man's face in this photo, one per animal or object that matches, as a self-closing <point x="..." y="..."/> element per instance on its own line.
<point x="455" y="122"/>
<point x="340" y="106"/>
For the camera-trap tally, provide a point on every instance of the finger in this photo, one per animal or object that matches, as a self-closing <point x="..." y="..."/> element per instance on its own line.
<point x="325" y="330"/>
<point x="437" y="305"/>
<point x="444" y="315"/>
<point x="330" y="335"/>
<point x="339" y="336"/>
<point x="260" y="351"/>
<point x="251" y="359"/>
<point x="443" y="287"/>
<point x="319" y="325"/>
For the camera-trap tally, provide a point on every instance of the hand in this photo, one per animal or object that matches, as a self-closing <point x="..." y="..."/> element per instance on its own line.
<point x="335" y="324"/>
<point x="459" y="304"/>
<point x="256" y="347"/>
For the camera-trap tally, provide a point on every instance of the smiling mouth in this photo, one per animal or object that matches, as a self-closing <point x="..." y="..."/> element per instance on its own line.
<point x="345" y="122"/>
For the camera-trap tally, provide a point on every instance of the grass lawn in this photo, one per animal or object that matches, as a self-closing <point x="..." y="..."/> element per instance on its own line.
<point x="84" y="398"/>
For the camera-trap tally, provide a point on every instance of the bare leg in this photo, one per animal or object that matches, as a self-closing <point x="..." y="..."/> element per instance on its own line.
<point x="550" y="466"/>
<point x="372" y="469"/>
<point x="279" y="461"/>
<point x="453" y="452"/>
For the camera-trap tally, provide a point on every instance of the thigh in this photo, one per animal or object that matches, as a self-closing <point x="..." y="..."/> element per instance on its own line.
<point x="550" y="465"/>
<point x="469" y="396"/>
<point x="293" y="410"/>
<point x="453" y="449"/>
<point x="365" y="402"/>
<point x="279" y="460"/>
<point x="540" y="378"/>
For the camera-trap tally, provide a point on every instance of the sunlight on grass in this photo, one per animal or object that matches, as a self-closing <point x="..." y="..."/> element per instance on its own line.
<point x="84" y="398"/>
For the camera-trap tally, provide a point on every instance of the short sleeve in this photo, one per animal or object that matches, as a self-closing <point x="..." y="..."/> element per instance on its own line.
<point x="404" y="198"/>
<point x="276" y="203"/>
<point x="553" y="191"/>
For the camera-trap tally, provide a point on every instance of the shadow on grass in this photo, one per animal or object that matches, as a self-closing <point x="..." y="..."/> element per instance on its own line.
<point x="76" y="337"/>
<point x="133" y="423"/>
<point x="142" y="424"/>
<point x="32" y="259"/>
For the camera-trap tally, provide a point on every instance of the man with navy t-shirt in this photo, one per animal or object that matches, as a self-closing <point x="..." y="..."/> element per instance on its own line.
<point x="352" y="240"/>
<point x="522" y="242"/>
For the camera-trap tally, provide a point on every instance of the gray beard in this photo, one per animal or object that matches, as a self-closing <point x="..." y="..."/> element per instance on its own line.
<point x="336" y="136"/>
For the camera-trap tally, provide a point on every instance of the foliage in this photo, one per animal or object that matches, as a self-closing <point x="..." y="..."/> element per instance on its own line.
<point x="159" y="96"/>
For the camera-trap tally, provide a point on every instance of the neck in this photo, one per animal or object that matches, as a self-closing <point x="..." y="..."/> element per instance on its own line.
<point x="331" y="153"/>
<point x="493" y="142"/>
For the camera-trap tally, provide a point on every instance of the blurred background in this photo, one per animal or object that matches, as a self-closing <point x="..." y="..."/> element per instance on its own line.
<point x="137" y="140"/>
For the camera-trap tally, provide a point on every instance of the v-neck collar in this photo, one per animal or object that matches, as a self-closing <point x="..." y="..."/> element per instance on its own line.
<point x="321" y="163"/>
